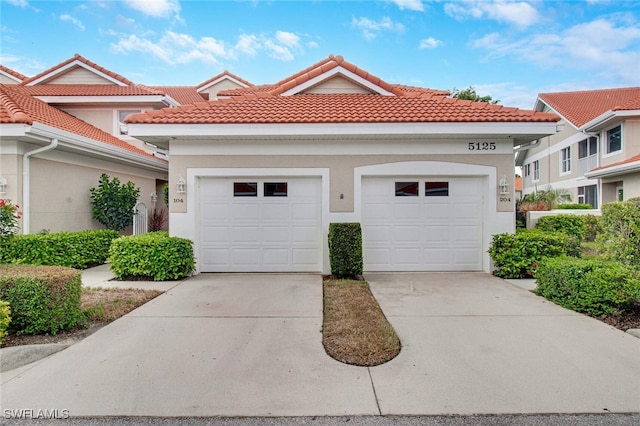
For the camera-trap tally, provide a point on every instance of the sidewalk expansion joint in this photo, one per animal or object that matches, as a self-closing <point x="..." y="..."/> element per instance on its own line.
<point x="375" y="395"/>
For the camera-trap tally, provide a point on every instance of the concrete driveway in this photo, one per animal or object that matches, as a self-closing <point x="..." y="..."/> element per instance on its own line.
<point x="250" y="345"/>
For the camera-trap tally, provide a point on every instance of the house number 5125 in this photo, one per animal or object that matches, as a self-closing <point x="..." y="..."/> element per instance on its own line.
<point x="481" y="146"/>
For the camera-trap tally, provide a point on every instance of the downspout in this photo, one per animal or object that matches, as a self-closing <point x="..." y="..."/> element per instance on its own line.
<point x="26" y="190"/>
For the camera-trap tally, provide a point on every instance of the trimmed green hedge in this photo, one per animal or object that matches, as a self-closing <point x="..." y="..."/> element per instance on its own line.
<point x="620" y="239"/>
<point x="78" y="250"/>
<point x="517" y="255"/>
<point x="43" y="299"/>
<point x="572" y="225"/>
<point x="345" y="249"/>
<point x="154" y="256"/>
<point x="569" y="206"/>
<point x="592" y="227"/>
<point x="5" y="319"/>
<point x="594" y="287"/>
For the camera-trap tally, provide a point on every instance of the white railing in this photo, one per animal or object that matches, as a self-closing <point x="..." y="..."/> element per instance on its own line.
<point x="140" y="219"/>
<point x="586" y="164"/>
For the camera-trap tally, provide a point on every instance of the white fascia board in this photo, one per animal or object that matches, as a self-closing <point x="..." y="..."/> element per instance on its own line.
<point x="331" y="73"/>
<point x="14" y="130"/>
<point x="106" y="99"/>
<point x="82" y="143"/>
<point x="72" y="64"/>
<point x="621" y="169"/>
<point x="604" y="119"/>
<point x="508" y="130"/>
<point x="10" y="76"/>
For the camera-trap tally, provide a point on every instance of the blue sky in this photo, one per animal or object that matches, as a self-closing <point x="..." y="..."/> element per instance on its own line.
<point x="512" y="50"/>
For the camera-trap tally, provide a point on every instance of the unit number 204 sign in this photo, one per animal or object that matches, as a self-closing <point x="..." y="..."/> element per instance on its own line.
<point x="481" y="146"/>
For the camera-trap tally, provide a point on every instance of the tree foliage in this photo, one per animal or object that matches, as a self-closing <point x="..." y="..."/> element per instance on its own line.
<point x="113" y="203"/>
<point x="470" y="94"/>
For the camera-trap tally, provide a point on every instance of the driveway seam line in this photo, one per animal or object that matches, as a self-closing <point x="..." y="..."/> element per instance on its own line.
<point x="375" y="394"/>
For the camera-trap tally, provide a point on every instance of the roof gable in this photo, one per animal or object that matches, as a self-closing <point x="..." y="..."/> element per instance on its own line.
<point x="77" y="70"/>
<point x="581" y="107"/>
<point x="9" y="76"/>
<point x="225" y="80"/>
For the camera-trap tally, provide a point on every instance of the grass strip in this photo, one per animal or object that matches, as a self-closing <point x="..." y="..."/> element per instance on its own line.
<point x="355" y="330"/>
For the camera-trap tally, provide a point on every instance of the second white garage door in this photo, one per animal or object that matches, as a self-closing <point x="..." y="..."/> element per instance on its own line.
<point x="260" y="224"/>
<point x="422" y="224"/>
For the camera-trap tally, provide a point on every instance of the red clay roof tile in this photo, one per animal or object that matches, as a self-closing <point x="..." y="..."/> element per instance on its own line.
<point x="18" y="107"/>
<point x="13" y="73"/>
<point x="88" y="90"/>
<point x="182" y="94"/>
<point x="583" y="106"/>
<point x="619" y="163"/>
<point x="85" y="61"/>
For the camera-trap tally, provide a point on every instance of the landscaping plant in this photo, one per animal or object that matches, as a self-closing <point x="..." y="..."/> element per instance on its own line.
<point x="9" y="216"/>
<point x="620" y="239"/>
<point x="572" y="225"/>
<point x="113" y="203"/>
<point x="5" y="319"/>
<point x="345" y="249"/>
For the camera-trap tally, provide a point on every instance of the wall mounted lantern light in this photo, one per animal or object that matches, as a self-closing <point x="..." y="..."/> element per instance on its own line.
<point x="3" y="185"/>
<point x="154" y="197"/>
<point x="181" y="186"/>
<point x="504" y="186"/>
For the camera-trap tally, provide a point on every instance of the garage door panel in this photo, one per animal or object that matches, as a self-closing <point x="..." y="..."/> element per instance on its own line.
<point x="434" y="231"/>
<point x="260" y="233"/>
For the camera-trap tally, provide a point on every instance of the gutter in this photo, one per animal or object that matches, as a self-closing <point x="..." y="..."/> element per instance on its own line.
<point x="26" y="192"/>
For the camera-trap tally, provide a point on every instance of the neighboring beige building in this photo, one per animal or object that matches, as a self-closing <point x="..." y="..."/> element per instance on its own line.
<point x="596" y="157"/>
<point x="61" y="129"/>
<point x="257" y="175"/>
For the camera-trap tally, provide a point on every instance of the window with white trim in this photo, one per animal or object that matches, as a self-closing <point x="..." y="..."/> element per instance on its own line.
<point x="588" y="147"/>
<point x="527" y="170"/>
<point x="588" y="195"/>
<point x="536" y="170"/>
<point x="614" y="140"/>
<point x="565" y="160"/>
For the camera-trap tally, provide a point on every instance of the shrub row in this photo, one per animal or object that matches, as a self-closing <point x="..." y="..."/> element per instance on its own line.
<point x="594" y="287"/>
<point x="517" y="255"/>
<point x="345" y="249"/>
<point x="569" y="206"/>
<point x="42" y="299"/>
<point x="572" y="225"/>
<point x="79" y="250"/>
<point x="620" y="239"/>
<point x="154" y="255"/>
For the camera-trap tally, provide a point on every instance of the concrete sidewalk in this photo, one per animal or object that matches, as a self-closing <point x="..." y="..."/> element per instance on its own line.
<point x="101" y="276"/>
<point x="250" y="345"/>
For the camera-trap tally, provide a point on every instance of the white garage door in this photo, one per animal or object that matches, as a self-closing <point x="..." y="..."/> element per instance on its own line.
<point x="422" y="224"/>
<point x="260" y="225"/>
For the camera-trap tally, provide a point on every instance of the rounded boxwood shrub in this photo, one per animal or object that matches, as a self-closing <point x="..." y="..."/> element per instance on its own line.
<point x="153" y="256"/>
<point x="594" y="287"/>
<point x="42" y="299"/>
<point x="620" y="239"/>
<point x="572" y="225"/>
<point x="517" y="255"/>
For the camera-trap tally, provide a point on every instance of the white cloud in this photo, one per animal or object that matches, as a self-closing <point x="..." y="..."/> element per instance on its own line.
<point x="608" y="50"/>
<point x="19" y="3"/>
<point x="72" y="20"/>
<point x="409" y="4"/>
<point x="155" y="8"/>
<point x="521" y="14"/>
<point x="179" y="48"/>
<point x="430" y="43"/>
<point x="370" y="28"/>
<point x="313" y="45"/>
<point x="288" y="39"/>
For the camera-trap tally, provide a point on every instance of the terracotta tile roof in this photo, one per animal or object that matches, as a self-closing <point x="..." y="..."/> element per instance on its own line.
<point x="223" y="74"/>
<point x="17" y="107"/>
<point x="85" y="61"/>
<point x="184" y="95"/>
<point x="13" y="73"/>
<point x="88" y="90"/>
<point x="619" y="163"/>
<point x="582" y="107"/>
<point x="518" y="183"/>
<point x="338" y="108"/>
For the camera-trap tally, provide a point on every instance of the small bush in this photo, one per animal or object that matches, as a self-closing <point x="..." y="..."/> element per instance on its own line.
<point x="517" y="255"/>
<point x="5" y="319"/>
<point x="345" y="249"/>
<point x="572" y="225"/>
<point x="569" y="206"/>
<point x="43" y="299"/>
<point x="154" y="255"/>
<point x="590" y="286"/>
<point x="620" y="239"/>
<point x="592" y="227"/>
<point x="78" y="250"/>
